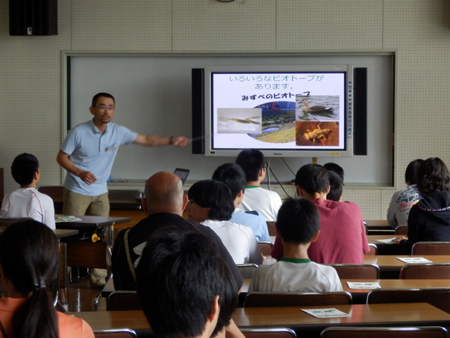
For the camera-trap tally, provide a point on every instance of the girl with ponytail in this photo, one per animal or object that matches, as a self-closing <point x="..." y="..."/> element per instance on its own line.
<point x="29" y="266"/>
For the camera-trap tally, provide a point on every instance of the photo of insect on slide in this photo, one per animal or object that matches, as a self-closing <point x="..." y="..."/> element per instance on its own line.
<point x="317" y="133"/>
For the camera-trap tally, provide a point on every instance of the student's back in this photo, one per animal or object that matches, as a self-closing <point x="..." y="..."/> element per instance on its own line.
<point x="27" y="201"/>
<point x="342" y="237"/>
<point x="298" y="226"/>
<point x="295" y="276"/>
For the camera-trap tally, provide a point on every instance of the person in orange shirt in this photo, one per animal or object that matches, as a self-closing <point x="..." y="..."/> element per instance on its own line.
<point x="29" y="266"/>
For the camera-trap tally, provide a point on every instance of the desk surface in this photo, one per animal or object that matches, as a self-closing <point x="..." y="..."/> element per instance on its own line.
<point x="60" y="233"/>
<point x="392" y="263"/>
<point x="374" y="239"/>
<point x="92" y="222"/>
<point x="368" y="314"/>
<point x="397" y="284"/>
<point x="377" y="223"/>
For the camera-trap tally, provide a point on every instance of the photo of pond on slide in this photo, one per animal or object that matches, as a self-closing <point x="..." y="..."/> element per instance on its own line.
<point x="278" y="122"/>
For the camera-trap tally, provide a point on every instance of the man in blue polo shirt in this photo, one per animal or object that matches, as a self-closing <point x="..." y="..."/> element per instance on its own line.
<point x="88" y="153"/>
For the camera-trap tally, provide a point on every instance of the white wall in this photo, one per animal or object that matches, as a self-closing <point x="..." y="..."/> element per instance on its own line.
<point x="30" y="67"/>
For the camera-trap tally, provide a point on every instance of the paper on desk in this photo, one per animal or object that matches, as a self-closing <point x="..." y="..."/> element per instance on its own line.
<point x="387" y="241"/>
<point x="60" y="219"/>
<point x="363" y="285"/>
<point x="414" y="260"/>
<point x="326" y="313"/>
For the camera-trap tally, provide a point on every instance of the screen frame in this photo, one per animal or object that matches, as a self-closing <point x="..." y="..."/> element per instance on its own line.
<point x="348" y="104"/>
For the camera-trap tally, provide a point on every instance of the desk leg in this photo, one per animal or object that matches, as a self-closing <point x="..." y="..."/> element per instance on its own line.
<point x="109" y="238"/>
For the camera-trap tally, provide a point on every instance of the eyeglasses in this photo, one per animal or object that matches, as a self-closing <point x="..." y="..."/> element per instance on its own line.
<point x="102" y="106"/>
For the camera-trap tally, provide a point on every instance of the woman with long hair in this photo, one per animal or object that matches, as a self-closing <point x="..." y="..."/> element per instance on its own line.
<point x="429" y="219"/>
<point x="29" y="266"/>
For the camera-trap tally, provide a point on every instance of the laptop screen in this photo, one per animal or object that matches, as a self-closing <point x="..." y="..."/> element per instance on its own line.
<point x="182" y="173"/>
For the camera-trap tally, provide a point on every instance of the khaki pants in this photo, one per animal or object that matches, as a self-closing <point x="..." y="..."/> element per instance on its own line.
<point x="76" y="204"/>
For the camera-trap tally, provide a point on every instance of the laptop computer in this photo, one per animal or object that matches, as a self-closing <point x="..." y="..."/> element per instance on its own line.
<point x="182" y="174"/>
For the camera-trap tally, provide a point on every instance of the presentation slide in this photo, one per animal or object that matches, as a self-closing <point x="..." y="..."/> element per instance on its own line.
<point x="288" y="110"/>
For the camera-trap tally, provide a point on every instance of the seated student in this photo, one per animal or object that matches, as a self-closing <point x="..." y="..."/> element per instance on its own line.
<point x="29" y="265"/>
<point x="335" y="193"/>
<point x="211" y="204"/>
<point x="234" y="178"/>
<point x="336" y="168"/>
<point x="27" y="201"/>
<point x="429" y="219"/>
<point x="185" y="288"/>
<point x="403" y="200"/>
<point x="164" y="203"/>
<point x="342" y="238"/>
<point x="253" y="163"/>
<point x="298" y="225"/>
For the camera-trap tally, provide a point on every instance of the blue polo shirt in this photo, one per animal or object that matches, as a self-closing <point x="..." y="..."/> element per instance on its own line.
<point x="93" y="151"/>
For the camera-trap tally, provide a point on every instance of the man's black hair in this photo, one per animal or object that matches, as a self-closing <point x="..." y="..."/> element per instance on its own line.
<point x="312" y="178"/>
<point x="330" y="166"/>
<point x="96" y="96"/>
<point x="178" y="278"/>
<point x="215" y="195"/>
<point x="335" y="186"/>
<point x="298" y="220"/>
<point x="251" y="161"/>
<point x="24" y="167"/>
<point x="412" y="171"/>
<point x="233" y="176"/>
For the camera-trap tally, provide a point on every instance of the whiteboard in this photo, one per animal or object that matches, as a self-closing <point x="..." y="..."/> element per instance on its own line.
<point x="153" y="96"/>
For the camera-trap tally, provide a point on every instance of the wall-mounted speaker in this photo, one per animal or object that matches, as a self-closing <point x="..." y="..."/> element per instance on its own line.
<point x="360" y="111"/>
<point x="33" y="17"/>
<point x="198" y="111"/>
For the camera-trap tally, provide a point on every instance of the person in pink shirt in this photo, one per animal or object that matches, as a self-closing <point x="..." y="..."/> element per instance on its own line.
<point x="342" y="238"/>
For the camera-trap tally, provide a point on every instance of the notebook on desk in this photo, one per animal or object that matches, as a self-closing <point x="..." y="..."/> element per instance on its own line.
<point x="182" y="174"/>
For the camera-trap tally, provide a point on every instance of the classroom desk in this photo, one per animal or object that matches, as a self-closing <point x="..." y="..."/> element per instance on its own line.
<point x="360" y="295"/>
<point x="378" y="227"/>
<point x="84" y="252"/>
<point x="63" y="233"/>
<point x="400" y="314"/>
<point x="390" y="266"/>
<point x="384" y="248"/>
<point x="60" y="233"/>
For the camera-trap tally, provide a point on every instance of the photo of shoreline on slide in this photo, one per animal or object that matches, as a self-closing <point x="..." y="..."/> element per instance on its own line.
<point x="278" y="122"/>
<point x="238" y="120"/>
<point x="317" y="108"/>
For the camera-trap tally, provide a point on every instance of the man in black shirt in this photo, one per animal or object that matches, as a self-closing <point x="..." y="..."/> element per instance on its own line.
<point x="164" y="203"/>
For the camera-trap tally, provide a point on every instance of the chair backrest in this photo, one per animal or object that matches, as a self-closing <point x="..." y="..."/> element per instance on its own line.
<point x="268" y="333"/>
<point x="425" y="271"/>
<point x="401" y="230"/>
<point x="7" y="221"/>
<point x="54" y="191"/>
<point x="385" y="332"/>
<point x="272" y="228"/>
<point x="438" y="297"/>
<point x="272" y="299"/>
<point x="247" y="270"/>
<point x="115" y="333"/>
<point x="123" y="301"/>
<point x="357" y="271"/>
<point x="373" y="250"/>
<point x="431" y="248"/>
<point x="266" y="248"/>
